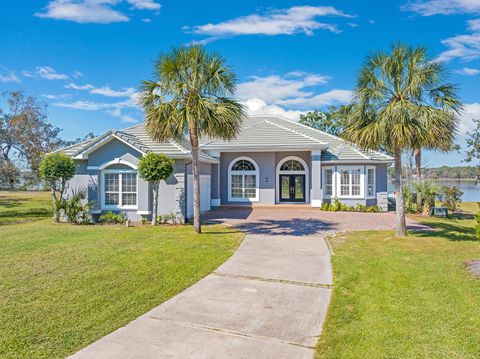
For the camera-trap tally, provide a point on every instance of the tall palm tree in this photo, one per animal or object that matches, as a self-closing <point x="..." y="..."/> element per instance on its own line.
<point x="400" y="101"/>
<point x="190" y="97"/>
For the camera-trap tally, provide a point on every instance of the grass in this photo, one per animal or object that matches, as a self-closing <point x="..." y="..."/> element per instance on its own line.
<point x="405" y="298"/>
<point x="65" y="286"/>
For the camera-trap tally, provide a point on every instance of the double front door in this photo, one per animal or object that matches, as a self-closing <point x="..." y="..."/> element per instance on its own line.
<point x="292" y="188"/>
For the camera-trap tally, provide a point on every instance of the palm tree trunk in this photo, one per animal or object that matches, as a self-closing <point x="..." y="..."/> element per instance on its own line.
<point x="155" y="204"/>
<point x="418" y="172"/>
<point x="196" y="178"/>
<point x="400" y="209"/>
<point x="418" y="163"/>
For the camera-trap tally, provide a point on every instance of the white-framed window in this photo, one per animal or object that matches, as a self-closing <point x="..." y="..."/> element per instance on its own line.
<point x="351" y="183"/>
<point x="328" y="174"/>
<point x="119" y="189"/>
<point x="243" y="180"/>
<point x="371" y="182"/>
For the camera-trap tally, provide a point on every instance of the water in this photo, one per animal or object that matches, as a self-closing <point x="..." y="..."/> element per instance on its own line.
<point x="471" y="192"/>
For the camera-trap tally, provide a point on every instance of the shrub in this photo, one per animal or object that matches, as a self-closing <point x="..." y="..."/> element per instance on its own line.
<point x="76" y="209"/>
<point x="451" y="197"/>
<point x="169" y="218"/>
<point x="336" y="205"/>
<point x="428" y="192"/>
<point x="110" y="217"/>
<point x="143" y="220"/>
<point x="409" y="198"/>
<point x="155" y="167"/>
<point x="325" y="206"/>
<point x="56" y="169"/>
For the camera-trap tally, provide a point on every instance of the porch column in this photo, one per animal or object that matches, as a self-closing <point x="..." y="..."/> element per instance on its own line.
<point x="316" y="194"/>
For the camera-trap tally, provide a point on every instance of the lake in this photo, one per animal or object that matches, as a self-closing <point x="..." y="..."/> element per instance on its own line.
<point x="471" y="192"/>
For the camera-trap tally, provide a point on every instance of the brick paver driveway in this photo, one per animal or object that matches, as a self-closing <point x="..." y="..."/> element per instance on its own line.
<point x="303" y="221"/>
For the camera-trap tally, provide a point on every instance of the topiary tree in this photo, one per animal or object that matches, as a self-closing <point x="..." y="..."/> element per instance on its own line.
<point x="56" y="169"/>
<point x="155" y="167"/>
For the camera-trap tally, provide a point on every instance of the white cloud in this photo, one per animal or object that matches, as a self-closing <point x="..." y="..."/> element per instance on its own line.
<point x="470" y="111"/>
<point x="467" y="71"/>
<point x="123" y="117"/>
<point x="290" y="95"/>
<point x="256" y="106"/>
<point x="108" y="92"/>
<point x="49" y="73"/>
<point x="93" y="11"/>
<point x="103" y="91"/>
<point x="26" y="73"/>
<point x="146" y="20"/>
<point x="443" y="7"/>
<point x="74" y="86"/>
<point x="144" y="4"/>
<point x="55" y="97"/>
<point x="297" y="19"/>
<point x="7" y="75"/>
<point x="332" y="97"/>
<point x="86" y="11"/>
<point x="275" y="88"/>
<point x="465" y="47"/>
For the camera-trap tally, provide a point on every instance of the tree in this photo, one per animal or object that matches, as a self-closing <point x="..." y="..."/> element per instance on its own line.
<point x="56" y="169"/>
<point x="473" y="146"/>
<point x="329" y="121"/>
<point x="25" y="134"/>
<point x="190" y="96"/>
<point x="451" y="197"/>
<point x="153" y="168"/>
<point x="398" y="103"/>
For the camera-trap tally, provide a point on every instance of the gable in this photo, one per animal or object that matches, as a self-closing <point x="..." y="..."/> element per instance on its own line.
<point x="111" y="150"/>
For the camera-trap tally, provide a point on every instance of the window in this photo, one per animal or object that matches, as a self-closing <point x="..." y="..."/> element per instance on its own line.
<point x="243" y="178"/>
<point x="119" y="189"/>
<point x="351" y="182"/>
<point x="370" y="181"/>
<point x="292" y="165"/>
<point x="328" y="182"/>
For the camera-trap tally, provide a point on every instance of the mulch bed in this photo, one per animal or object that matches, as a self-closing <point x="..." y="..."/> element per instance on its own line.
<point x="474" y="267"/>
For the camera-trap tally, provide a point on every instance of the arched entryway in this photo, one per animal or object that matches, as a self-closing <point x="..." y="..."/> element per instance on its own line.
<point x="292" y="180"/>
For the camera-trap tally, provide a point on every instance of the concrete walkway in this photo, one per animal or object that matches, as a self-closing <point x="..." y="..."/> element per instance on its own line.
<point x="268" y="300"/>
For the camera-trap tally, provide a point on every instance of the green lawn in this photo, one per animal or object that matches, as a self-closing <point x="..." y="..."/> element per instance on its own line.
<point x="64" y="286"/>
<point x="405" y="298"/>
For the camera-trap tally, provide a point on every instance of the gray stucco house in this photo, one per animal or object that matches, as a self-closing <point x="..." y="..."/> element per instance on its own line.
<point x="272" y="161"/>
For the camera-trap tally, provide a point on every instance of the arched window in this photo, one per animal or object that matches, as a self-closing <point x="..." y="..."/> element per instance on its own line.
<point x="292" y="165"/>
<point x="243" y="180"/>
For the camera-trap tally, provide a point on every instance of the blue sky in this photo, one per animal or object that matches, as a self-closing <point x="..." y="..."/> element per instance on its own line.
<point x="87" y="58"/>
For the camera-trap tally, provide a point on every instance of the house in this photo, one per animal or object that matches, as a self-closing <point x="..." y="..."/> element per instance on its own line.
<point x="272" y="161"/>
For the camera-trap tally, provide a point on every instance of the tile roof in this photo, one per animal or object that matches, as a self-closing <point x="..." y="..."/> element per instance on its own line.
<point x="257" y="132"/>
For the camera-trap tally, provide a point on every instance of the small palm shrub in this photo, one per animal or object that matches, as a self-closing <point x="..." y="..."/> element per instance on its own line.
<point x="336" y="205"/>
<point x="169" y="218"/>
<point x="112" y="218"/>
<point x="76" y="208"/>
<point x="410" y="198"/>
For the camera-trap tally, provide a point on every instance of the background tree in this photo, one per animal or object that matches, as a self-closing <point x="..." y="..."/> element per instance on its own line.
<point x="155" y="167"/>
<point x="191" y="95"/>
<point x="25" y="134"/>
<point x="399" y="101"/>
<point x="56" y="169"/>
<point x="329" y="121"/>
<point x="473" y="147"/>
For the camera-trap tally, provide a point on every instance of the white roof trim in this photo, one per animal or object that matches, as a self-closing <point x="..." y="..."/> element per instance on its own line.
<point x="177" y="145"/>
<point x="84" y="154"/>
<point x="117" y="161"/>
